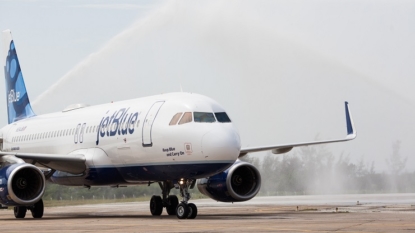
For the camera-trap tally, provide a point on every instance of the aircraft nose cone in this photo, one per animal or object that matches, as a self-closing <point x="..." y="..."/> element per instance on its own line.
<point x="221" y="144"/>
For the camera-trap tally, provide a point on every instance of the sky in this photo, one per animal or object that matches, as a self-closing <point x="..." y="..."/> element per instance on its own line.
<point x="282" y="69"/>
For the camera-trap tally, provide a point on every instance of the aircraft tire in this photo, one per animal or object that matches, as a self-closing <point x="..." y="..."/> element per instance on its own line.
<point x="192" y="211"/>
<point x="173" y="202"/>
<point x="37" y="210"/>
<point x="156" y="205"/>
<point x="20" y="211"/>
<point x="182" y="211"/>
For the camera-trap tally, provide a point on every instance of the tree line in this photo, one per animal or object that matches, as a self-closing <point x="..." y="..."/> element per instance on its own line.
<point x="315" y="170"/>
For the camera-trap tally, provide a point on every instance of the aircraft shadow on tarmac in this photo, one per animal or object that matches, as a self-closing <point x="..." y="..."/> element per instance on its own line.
<point x="226" y="216"/>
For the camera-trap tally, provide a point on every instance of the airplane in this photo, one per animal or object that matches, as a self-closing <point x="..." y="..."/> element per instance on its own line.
<point x="177" y="140"/>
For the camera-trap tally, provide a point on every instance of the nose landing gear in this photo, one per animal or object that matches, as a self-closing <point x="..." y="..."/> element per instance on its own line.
<point x="185" y="209"/>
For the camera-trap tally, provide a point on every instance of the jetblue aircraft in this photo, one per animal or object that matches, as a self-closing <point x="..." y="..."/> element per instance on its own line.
<point x="178" y="140"/>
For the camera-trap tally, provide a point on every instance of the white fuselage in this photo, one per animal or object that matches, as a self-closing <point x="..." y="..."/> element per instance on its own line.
<point x="131" y="141"/>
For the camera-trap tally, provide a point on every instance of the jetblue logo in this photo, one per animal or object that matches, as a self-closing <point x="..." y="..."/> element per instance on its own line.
<point x="13" y="96"/>
<point x="121" y="122"/>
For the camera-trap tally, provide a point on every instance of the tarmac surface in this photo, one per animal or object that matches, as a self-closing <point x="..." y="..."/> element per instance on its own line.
<point x="334" y="213"/>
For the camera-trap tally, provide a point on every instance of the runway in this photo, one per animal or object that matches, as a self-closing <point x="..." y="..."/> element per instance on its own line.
<point x="334" y="213"/>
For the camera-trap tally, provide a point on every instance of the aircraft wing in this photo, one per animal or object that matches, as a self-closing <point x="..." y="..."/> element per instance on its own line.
<point x="280" y="149"/>
<point x="72" y="163"/>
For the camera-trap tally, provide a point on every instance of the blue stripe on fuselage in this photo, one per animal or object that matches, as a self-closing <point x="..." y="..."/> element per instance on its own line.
<point x="111" y="175"/>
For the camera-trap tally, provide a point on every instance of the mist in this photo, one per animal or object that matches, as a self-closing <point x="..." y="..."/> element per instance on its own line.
<point x="317" y="170"/>
<point x="278" y="84"/>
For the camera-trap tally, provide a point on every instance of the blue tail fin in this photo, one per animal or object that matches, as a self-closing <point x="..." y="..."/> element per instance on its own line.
<point x="18" y="105"/>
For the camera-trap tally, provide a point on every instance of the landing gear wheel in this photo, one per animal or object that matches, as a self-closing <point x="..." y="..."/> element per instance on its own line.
<point x="173" y="201"/>
<point x="182" y="211"/>
<point x="20" y="211"/>
<point x="192" y="211"/>
<point x="156" y="205"/>
<point x="37" y="210"/>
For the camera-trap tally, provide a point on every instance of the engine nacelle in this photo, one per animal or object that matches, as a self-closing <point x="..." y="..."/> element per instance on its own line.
<point x="21" y="184"/>
<point x="240" y="182"/>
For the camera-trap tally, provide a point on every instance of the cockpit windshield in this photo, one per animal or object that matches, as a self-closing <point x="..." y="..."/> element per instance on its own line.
<point x="222" y="117"/>
<point x="175" y="118"/>
<point x="204" y="117"/>
<point x="187" y="117"/>
<point x="199" y="117"/>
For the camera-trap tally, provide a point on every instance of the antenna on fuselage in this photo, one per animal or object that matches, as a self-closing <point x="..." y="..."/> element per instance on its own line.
<point x="181" y="89"/>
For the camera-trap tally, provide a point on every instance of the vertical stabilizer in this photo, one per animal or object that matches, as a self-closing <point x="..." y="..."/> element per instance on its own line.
<point x="18" y="105"/>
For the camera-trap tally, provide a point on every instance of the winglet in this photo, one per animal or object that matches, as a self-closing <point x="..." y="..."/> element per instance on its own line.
<point x="351" y="133"/>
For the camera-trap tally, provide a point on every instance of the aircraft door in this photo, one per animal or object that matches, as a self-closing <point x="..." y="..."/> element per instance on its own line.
<point x="75" y="137"/>
<point x="148" y="123"/>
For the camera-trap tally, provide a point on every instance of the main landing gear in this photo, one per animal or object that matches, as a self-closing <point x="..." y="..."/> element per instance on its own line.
<point x="36" y="209"/>
<point x="171" y="202"/>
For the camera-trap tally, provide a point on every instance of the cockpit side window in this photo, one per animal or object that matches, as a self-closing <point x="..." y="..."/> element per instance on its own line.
<point x="222" y="117"/>
<point x="187" y="117"/>
<point x="175" y="118"/>
<point x="204" y="117"/>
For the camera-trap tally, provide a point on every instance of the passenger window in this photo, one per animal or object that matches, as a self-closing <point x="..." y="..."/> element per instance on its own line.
<point x="187" y="117"/>
<point x="175" y="118"/>
<point x="222" y="117"/>
<point x="204" y="117"/>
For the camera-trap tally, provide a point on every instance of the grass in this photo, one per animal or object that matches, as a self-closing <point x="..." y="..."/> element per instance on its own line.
<point x="55" y="203"/>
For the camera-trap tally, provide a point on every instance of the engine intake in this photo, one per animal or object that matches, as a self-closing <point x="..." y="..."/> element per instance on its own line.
<point x="240" y="182"/>
<point x="21" y="184"/>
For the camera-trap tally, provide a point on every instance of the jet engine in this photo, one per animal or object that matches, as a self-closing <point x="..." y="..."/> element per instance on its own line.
<point x="240" y="182"/>
<point x="21" y="184"/>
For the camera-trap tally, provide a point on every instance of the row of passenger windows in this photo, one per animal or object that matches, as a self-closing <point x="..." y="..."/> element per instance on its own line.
<point x="68" y="132"/>
<point x="206" y="117"/>
<point x="51" y="134"/>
